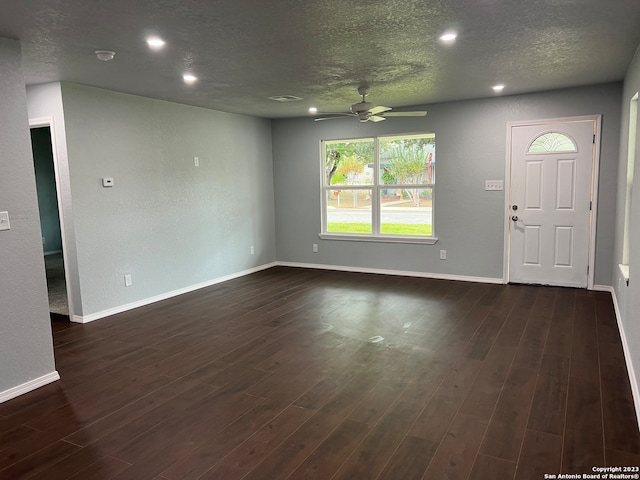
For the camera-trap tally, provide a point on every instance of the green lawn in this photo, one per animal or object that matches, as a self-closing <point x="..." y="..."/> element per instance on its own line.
<point x="387" y="228"/>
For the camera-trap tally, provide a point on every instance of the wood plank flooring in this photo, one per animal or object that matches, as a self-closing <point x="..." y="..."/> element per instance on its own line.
<point x="300" y="374"/>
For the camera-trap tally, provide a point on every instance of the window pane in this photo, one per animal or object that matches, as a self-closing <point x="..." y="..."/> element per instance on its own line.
<point x="349" y="162"/>
<point x="408" y="160"/>
<point x="349" y="211"/>
<point x="552" y="142"/>
<point x="406" y="211"/>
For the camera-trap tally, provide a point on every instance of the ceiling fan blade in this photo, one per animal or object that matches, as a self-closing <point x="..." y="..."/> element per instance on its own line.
<point x="379" y="109"/>
<point x="334" y="116"/>
<point x="376" y="118"/>
<point x="405" y="114"/>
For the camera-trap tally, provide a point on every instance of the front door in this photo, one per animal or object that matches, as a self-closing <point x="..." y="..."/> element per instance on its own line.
<point x="550" y="202"/>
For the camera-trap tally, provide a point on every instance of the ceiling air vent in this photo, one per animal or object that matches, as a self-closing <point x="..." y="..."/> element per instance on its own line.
<point x="285" y="98"/>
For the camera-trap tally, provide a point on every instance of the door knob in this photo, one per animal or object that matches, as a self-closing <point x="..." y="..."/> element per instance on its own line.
<point x="514" y="218"/>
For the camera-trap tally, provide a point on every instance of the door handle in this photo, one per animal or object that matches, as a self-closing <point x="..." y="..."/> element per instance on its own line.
<point x="514" y="218"/>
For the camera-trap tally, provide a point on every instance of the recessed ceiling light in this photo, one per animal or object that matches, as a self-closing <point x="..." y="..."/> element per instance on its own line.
<point x="313" y="110"/>
<point x="449" y="37"/>
<point x="155" y="42"/>
<point x="498" y="88"/>
<point x="189" y="78"/>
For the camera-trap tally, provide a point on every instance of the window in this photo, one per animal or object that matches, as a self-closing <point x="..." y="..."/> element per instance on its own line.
<point x="379" y="188"/>
<point x="552" y="142"/>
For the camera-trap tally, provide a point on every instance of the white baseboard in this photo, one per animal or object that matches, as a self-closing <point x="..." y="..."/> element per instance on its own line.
<point x="164" y="296"/>
<point x="29" y="386"/>
<point x="635" y="391"/>
<point x="404" y="273"/>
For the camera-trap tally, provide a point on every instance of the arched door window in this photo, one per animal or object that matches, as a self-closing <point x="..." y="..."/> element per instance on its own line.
<point x="552" y="142"/>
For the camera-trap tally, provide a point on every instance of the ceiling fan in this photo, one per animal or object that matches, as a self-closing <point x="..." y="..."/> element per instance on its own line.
<point x="366" y="111"/>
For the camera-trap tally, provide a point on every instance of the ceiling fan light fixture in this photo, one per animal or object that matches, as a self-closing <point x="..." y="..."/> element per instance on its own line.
<point x="366" y="111"/>
<point x="105" y="55"/>
<point x="361" y="107"/>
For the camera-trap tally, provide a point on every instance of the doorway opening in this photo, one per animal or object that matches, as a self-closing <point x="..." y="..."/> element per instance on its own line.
<point x="47" y="190"/>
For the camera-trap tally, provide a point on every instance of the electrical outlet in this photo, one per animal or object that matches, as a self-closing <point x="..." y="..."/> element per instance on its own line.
<point x="443" y="254"/>
<point x="196" y="161"/>
<point x="315" y="248"/>
<point x="494" y="185"/>
<point x="127" y="280"/>
<point x="252" y="250"/>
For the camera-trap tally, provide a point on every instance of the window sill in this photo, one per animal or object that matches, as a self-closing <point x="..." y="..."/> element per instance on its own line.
<point x="624" y="270"/>
<point x="379" y="239"/>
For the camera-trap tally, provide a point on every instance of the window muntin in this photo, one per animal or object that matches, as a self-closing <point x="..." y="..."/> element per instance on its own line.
<point x="381" y="187"/>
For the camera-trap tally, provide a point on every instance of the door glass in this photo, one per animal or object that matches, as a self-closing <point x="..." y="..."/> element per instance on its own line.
<point x="552" y="142"/>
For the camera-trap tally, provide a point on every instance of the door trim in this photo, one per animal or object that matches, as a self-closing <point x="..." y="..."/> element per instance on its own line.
<point x="595" y="169"/>
<point x="49" y="122"/>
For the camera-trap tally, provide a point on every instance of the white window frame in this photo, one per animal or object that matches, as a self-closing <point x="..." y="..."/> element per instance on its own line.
<point x="631" y="156"/>
<point x="375" y="189"/>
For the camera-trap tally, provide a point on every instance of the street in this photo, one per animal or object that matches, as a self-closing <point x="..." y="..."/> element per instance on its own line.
<point x="402" y="215"/>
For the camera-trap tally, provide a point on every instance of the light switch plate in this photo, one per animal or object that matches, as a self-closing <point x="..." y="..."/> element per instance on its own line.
<point x="493" y="185"/>
<point x="4" y="221"/>
<point x="107" y="182"/>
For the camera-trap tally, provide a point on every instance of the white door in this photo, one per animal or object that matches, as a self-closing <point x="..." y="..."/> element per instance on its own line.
<point x="550" y="202"/>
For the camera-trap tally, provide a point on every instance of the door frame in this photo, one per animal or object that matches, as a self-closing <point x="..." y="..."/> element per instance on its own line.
<point x="595" y="170"/>
<point x="49" y="122"/>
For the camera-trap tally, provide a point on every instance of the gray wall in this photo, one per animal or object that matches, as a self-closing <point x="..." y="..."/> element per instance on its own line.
<point x="471" y="148"/>
<point x="46" y="186"/>
<point x="26" y="348"/>
<point x="169" y="224"/>
<point x="629" y="297"/>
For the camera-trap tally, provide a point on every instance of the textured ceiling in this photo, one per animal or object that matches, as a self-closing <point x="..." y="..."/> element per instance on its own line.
<point x="244" y="51"/>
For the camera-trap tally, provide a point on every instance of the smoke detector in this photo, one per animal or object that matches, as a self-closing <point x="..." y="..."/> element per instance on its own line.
<point x="105" y="55"/>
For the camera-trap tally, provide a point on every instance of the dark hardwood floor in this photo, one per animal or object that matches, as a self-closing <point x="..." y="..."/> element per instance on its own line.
<point x="301" y="374"/>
